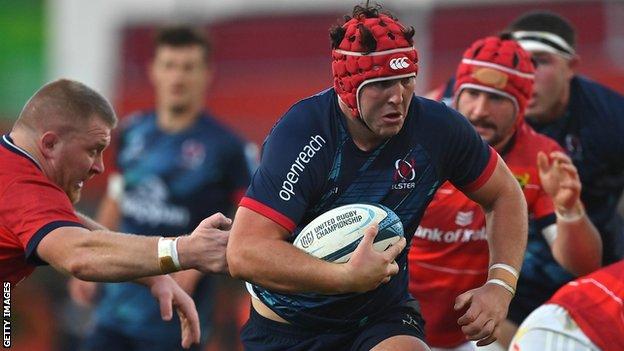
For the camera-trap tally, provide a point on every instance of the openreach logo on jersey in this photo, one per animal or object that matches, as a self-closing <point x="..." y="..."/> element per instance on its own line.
<point x="6" y="314"/>
<point x="298" y="166"/>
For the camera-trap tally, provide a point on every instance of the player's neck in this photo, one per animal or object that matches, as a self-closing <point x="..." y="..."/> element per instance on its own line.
<point x="174" y="121"/>
<point x="26" y="142"/>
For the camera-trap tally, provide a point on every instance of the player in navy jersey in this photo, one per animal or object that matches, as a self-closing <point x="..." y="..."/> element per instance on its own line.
<point x="587" y="120"/>
<point x="367" y="139"/>
<point x="54" y="147"/>
<point x="175" y="165"/>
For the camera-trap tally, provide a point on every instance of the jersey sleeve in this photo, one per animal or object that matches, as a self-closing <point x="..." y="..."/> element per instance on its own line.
<point x="290" y="171"/>
<point x="36" y="208"/>
<point x="468" y="161"/>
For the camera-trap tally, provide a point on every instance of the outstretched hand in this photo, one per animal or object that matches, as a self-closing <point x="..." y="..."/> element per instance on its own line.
<point x="170" y="295"/>
<point x="559" y="178"/>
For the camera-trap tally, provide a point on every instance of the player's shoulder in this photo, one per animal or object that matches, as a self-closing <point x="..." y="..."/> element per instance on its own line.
<point x="215" y="130"/>
<point x="434" y="113"/>
<point x="136" y="118"/>
<point x="607" y="102"/>
<point x="312" y="115"/>
<point x="532" y="140"/>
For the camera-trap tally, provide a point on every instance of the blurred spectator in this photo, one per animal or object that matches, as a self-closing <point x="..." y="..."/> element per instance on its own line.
<point x="175" y="164"/>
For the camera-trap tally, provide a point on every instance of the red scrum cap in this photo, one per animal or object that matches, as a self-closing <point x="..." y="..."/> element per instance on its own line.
<point x="500" y="66"/>
<point x="391" y="56"/>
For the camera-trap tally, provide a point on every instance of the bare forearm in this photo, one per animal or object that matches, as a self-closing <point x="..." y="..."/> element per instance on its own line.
<point x="278" y="265"/>
<point x="507" y="230"/>
<point x="108" y="256"/>
<point x="578" y="246"/>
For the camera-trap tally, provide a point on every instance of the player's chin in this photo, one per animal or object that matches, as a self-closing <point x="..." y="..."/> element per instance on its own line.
<point x="74" y="196"/>
<point x="390" y="131"/>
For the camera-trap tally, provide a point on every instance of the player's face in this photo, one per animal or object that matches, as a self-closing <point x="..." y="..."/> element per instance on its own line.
<point x="492" y="115"/>
<point x="79" y="156"/>
<point x="180" y="76"/>
<point x="552" y="79"/>
<point x="384" y="105"/>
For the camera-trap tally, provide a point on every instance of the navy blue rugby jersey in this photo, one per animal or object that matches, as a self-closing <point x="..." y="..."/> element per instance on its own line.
<point x="592" y="133"/>
<point x="310" y="165"/>
<point x="172" y="181"/>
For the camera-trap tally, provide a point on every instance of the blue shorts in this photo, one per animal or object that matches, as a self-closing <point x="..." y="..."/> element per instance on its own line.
<point x="262" y="334"/>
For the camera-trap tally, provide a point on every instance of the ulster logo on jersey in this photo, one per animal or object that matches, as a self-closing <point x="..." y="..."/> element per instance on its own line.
<point x="404" y="174"/>
<point x="404" y="170"/>
<point x="193" y="154"/>
<point x="464" y="218"/>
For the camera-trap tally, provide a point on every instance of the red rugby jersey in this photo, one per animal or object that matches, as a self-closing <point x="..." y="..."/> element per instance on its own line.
<point x="449" y="253"/>
<point x="596" y="304"/>
<point x="31" y="206"/>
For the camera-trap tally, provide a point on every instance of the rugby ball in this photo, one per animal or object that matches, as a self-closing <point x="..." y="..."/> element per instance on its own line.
<point x="334" y="235"/>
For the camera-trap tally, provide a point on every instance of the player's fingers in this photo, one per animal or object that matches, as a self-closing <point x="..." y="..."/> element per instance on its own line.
<point x="485" y="331"/>
<point x="189" y="321"/>
<point x="490" y="339"/>
<point x="217" y="220"/>
<point x="395" y="249"/>
<point x="393" y="268"/>
<point x="165" y="300"/>
<point x="462" y="300"/>
<point x="560" y="157"/>
<point x="542" y="162"/>
<point x="369" y="235"/>
<point x="571" y="184"/>
<point x="569" y="169"/>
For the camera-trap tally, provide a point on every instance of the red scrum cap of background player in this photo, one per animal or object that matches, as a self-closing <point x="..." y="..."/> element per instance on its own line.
<point x="370" y="47"/>
<point x="500" y="66"/>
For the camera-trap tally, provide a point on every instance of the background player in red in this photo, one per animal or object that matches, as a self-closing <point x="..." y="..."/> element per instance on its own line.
<point x="356" y="136"/>
<point x="585" y="314"/>
<point x="54" y="147"/>
<point x="449" y="253"/>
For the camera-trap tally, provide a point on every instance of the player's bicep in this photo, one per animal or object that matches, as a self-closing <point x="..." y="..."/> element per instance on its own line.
<point x="251" y="235"/>
<point x="251" y="225"/>
<point x="499" y="183"/>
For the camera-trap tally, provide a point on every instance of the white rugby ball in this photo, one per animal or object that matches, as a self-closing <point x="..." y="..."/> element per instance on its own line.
<point x="334" y="235"/>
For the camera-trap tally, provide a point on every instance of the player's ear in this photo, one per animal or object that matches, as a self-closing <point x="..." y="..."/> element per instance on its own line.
<point x="49" y="143"/>
<point x="573" y="64"/>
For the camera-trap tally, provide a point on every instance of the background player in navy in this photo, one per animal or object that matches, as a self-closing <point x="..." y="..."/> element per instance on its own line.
<point x="54" y="147"/>
<point x="176" y="165"/>
<point x="369" y="139"/>
<point x="587" y="120"/>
